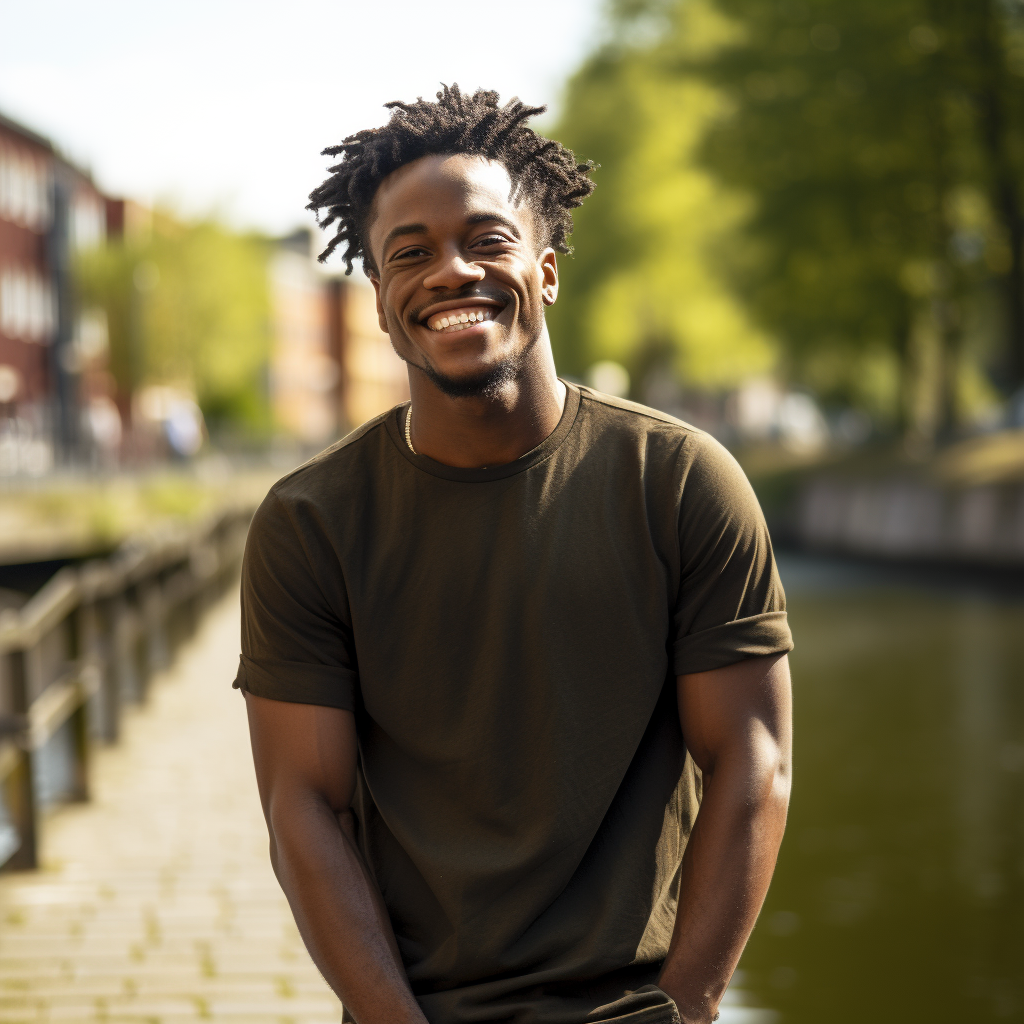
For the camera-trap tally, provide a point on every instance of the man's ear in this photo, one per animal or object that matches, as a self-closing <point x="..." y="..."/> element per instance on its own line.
<point x="381" y="318"/>
<point x="548" y="265"/>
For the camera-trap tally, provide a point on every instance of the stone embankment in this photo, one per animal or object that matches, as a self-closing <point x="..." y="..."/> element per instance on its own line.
<point x="964" y="506"/>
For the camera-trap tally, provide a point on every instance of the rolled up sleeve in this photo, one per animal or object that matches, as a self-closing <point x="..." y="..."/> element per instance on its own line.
<point x="296" y="640"/>
<point x="730" y="604"/>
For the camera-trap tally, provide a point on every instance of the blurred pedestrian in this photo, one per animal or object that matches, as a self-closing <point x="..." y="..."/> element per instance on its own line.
<point x="501" y="643"/>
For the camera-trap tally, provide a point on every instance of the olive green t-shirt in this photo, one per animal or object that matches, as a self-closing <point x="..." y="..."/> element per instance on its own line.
<point x="508" y="639"/>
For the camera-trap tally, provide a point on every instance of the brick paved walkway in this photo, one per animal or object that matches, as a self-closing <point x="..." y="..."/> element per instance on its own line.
<point x="157" y="904"/>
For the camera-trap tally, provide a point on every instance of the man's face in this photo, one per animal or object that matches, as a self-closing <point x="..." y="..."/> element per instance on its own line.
<point x="462" y="277"/>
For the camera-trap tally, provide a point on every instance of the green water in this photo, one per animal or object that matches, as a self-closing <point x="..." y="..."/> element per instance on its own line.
<point x="899" y="894"/>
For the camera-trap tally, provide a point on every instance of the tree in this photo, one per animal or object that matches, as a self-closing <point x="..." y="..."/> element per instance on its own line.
<point x="990" y="38"/>
<point x="642" y="287"/>
<point x="189" y="305"/>
<point x="859" y="131"/>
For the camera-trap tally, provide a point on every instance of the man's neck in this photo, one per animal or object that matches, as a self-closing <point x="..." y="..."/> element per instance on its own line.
<point x="479" y="431"/>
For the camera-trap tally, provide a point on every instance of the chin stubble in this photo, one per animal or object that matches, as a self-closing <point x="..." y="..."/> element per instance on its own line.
<point x="488" y="384"/>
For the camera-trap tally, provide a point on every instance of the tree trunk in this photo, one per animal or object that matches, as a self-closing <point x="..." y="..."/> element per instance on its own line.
<point x="1014" y="290"/>
<point x="950" y="332"/>
<point x="990" y="99"/>
<point x="905" y="395"/>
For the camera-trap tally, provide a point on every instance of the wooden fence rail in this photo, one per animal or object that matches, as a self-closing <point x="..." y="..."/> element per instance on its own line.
<point x="83" y="646"/>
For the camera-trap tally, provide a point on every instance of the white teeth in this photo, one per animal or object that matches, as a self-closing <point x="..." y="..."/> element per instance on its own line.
<point x="460" y="321"/>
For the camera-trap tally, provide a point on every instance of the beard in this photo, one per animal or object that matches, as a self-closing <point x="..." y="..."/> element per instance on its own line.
<point x="488" y="384"/>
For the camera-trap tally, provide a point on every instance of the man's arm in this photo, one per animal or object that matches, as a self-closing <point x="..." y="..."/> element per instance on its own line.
<point x="305" y="758"/>
<point x="737" y="726"/>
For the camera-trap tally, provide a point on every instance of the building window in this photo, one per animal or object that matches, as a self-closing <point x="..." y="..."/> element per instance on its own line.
<point x="26" y="306"/>
<point x="24" y="189"/>
<point x="88" y="222"/>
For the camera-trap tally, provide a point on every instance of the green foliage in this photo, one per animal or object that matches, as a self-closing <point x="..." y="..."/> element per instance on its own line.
<point x="104" y="280"/>
<point x="642" y="286"/>
<point x="862" y="132"/>
<point x="852" y="169"/>
<point x="189" y="306"/>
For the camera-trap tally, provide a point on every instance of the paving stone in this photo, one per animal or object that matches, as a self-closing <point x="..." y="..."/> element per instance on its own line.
<point x="156" y="903"/>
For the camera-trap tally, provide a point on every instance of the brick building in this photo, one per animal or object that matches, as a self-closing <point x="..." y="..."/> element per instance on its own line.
<point x="48" y="210"/>
<point x="331" y="367"/>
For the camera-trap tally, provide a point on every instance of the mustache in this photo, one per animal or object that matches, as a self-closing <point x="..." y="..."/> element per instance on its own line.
<point x="462" y="295"/>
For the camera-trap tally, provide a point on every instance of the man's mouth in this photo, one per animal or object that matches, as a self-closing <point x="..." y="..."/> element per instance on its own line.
<point x="452" y="320"/>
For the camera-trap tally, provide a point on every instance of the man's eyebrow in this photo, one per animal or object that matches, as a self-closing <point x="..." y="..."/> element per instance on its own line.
<point x="480" y="218"/>
<point x="403" y="229"/>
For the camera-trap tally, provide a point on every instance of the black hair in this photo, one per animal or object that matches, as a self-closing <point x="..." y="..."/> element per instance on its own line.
<point x="543" y="172"/>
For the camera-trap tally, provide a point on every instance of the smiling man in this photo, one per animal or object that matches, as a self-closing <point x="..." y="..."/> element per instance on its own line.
<point x="501" y="643"/>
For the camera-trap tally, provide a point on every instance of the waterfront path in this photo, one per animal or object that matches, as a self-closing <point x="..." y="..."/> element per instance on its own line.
<point x="156" y="903"/>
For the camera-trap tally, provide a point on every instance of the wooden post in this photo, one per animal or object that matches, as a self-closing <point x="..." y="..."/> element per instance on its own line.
<point x="97" y="646"/>
<point x="78" y="723"/>
<point x="78" y="784"/>
<point x="131" y="682"/>
<point x="19" y="791"/>
<point x="151" y="603"/>
<point x="109" y="724"/>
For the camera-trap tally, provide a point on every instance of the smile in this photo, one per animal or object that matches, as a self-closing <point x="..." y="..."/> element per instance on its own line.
<point x="453" y="320"/>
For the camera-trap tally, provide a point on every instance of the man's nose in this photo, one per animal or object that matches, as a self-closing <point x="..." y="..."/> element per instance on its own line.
<point x="452" y="271"/>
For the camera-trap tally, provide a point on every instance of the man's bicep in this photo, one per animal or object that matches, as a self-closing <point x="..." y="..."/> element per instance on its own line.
<point x="300" y="748"/>
<point x="746" y="705"/>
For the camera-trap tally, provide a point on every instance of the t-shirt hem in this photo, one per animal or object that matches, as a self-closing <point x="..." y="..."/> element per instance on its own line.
<point x="666" y="1014"/>
<point x="730" y="642"/>
<point x="663" y="1015"/>
<point x="296" y="683"/>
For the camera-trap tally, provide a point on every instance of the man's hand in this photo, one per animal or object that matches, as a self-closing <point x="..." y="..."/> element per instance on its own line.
<point x="737" y="725"/>
<point x="305" y="758"/>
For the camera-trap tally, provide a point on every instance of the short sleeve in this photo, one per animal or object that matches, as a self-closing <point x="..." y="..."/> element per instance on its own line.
<point x="730" y="603"/>
<point x="296" y="640"/>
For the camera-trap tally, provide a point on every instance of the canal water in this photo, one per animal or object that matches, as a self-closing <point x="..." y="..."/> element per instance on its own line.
<point x="899" y="893"/>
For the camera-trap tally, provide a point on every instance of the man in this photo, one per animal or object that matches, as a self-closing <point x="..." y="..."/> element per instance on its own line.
<point x="500" y="643"/>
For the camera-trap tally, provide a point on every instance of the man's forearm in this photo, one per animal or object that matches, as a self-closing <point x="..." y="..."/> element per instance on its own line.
<point x="727" y="867"/>
<point x="340" y="914"/>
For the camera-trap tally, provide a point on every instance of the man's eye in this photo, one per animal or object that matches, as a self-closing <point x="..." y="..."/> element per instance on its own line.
<point x="491" y="240"/>
<point x="412" y="251"/>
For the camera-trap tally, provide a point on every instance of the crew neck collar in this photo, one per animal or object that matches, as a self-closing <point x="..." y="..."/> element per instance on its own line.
<point x="395" y="426"/>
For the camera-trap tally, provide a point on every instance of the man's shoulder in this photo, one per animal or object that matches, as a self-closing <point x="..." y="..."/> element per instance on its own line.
<point x="610" y="416"/>
<point x="655" y="433"/>
<point x="626" y="415"/>
<point x="337" y="467"/>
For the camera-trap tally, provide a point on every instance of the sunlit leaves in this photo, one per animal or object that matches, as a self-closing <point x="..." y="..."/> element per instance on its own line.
<point x="644" y="283"/>
<point x="188" y="305"/>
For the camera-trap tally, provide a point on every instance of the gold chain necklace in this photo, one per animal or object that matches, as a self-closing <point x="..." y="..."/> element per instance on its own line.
<point x="408" y="430"/>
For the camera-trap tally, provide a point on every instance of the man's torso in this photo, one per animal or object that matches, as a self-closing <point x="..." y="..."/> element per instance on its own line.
<point x="509" y="641"/>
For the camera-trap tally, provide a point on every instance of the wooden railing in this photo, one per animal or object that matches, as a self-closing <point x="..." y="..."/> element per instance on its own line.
<point x="83" y="646"/>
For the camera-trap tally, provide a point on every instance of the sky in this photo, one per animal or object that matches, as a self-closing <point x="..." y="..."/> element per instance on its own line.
<point x="221" y="106"/>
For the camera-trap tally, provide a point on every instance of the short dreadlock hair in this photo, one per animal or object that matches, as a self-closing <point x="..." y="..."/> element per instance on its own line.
<point x="543" y="172"/>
